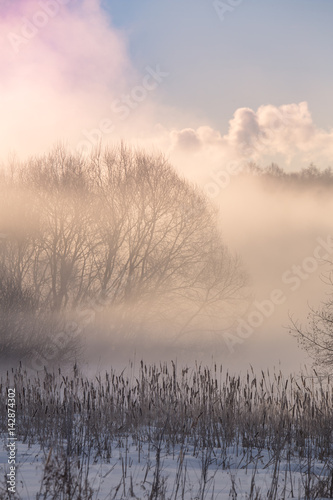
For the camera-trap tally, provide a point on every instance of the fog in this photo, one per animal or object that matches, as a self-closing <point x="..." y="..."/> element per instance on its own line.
<point x="117" y="257"/>
<point x="69" y="78"/>
<point x="282" y="230"/>
<point x="276" y="225"/>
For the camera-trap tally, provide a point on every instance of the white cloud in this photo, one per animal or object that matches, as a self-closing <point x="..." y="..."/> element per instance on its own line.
<point x="286" y="134"/>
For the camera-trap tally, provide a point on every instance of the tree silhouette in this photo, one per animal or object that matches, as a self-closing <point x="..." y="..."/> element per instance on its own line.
<point x="120" y="228"/>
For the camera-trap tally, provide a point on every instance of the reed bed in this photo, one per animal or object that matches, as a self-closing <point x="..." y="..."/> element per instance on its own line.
<point x="203" y="406"/>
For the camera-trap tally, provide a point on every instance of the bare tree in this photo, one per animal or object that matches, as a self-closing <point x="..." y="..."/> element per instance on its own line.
<point x="317" y="337"/>
<point x="122" y="228"/>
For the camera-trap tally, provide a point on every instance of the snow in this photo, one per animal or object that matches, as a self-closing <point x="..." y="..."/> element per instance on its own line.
<point x="131" y="470"/>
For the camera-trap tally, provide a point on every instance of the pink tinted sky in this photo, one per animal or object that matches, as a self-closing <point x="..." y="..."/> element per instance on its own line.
<point x="65" y="64"/>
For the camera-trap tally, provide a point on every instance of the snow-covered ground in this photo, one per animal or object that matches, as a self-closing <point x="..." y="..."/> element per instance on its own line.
<point x="163" y="434"/>
<point x="135" y="470"/>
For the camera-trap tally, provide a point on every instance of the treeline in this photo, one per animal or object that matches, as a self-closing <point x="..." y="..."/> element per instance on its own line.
<point x="310" y="176"/>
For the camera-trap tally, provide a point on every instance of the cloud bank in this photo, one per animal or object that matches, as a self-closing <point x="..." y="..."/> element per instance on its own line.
<point x="284" y="134"/>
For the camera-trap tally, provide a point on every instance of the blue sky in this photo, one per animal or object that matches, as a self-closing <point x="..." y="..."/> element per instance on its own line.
<point x="264" y="52"/>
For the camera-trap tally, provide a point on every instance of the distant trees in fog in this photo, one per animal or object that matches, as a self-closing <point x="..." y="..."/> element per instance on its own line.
<point x="121" y="228"/>
<point x="310" y="175"/>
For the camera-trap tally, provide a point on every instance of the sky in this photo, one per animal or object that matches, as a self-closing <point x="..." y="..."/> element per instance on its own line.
<point x="213" y="85"/>
<point x="263" y="52"/>
<point x="231" y="72"/>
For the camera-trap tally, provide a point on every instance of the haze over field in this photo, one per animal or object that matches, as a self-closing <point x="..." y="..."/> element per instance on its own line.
<point x="89" y="72"/>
